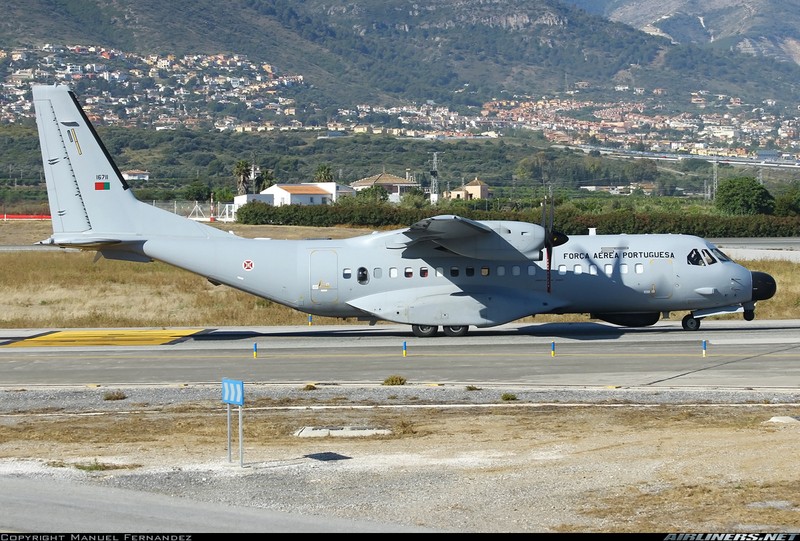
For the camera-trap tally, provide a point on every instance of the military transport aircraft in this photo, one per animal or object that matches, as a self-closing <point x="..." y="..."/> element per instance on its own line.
<point x="445" y="271"/>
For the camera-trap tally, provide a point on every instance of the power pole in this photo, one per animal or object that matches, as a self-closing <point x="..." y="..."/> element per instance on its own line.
<point x="716" y="179"/>
<point x="254" y="172"/>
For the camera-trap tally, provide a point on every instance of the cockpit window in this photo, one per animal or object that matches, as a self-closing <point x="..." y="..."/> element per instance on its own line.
<point x="694" y="258"/>
<point x="720" y="255"/>
<point x="704" y="257"/>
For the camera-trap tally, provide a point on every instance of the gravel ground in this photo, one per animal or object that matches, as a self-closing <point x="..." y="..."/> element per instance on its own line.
<point x="549" y="460"/>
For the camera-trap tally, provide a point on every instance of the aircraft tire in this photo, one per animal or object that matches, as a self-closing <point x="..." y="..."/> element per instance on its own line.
<point x="749" y="315"/>
<point x="424" y="331"/>
<point x="690" y="323"/>
<point x="455" y="330"/>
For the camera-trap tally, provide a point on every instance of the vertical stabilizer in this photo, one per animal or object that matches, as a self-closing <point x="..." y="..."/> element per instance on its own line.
<point x="90" y="202"/>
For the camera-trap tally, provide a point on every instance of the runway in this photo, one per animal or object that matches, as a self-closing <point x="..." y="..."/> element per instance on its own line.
<point x="724" y="353"/>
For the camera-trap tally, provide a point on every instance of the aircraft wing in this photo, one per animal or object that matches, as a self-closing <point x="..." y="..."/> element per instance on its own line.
<point x="443" y="227"/>
<point x="492" y="239"/>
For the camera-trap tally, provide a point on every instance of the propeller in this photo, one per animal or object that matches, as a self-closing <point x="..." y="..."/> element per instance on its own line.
<point x="552" y="237"/>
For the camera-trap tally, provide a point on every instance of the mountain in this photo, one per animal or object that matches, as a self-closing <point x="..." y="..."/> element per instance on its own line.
<point x="762" y="28"/>
<point x="455" y="53"/>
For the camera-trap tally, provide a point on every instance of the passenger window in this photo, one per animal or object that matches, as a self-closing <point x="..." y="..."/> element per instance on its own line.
<point x="423" y="272"/>
<point x="453" y="271"/>
<point x="623" y="268"/>
<point x="409" y="272"/>
<point x="577" y="269"/>
<point x="484" y="271"/>
<point x="392" y="272"/>
<point x="609" y="269"/>
<point x="593" y="270"/>
<point x="377" y="272"/>
<point x="470" y="271"/>
<point x="515" y="270"/>
<point x="347" y="273"/>
<point x="531" y="270"/>
<point x="501" y="271"/>
<point x="362" y="275"/>
<point x="639" y="268"/>
<point x="562" y="269"/>
<point x="439" y="271"/>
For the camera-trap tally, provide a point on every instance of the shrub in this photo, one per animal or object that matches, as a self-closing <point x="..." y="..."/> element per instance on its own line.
<point x="395" y="380"/>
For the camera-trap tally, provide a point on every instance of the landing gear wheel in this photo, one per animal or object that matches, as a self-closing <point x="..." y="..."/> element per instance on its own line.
<point x="690" y="323"/>
<point x="424" y="331"/>
<point x="456" y="330"/>
<point x="749" y="315"/>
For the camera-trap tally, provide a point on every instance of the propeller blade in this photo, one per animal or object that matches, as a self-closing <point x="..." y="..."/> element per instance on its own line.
<point x="549" y="259"/>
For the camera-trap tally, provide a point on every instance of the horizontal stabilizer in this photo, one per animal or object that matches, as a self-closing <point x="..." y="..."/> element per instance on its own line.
<point x="88" y="242"/>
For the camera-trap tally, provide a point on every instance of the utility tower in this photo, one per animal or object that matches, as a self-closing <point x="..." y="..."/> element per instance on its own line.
<point x="435" y="179"/>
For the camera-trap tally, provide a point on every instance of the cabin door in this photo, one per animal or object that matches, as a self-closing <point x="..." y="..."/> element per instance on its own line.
<point x="663" y="283"/>
<point x="324" y="275"/>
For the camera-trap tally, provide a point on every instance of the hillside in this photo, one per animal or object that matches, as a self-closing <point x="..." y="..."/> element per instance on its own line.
<point x="761" y="28"/>
<point x="376" y="51"/>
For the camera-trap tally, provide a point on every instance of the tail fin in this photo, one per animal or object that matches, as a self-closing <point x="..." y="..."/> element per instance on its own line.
<point x="91" y="205"/>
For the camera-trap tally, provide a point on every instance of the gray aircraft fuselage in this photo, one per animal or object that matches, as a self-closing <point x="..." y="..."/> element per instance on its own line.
<point x="445" y="270"/>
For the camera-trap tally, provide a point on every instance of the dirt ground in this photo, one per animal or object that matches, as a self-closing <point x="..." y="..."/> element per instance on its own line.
<point x="612" y="468"/>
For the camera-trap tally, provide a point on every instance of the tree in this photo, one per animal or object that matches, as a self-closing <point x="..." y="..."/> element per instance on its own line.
<point x="743" y="196"/>
<point x="323" y="174"/>
<point x="196" y="191"/>
<point x="223" y="195"/>
<point x="373" y="193"/>
<point x="265" y="179"/>
<point x="242" y="173"/>
<point x="414" y="198"/>
<point x="788" y="203"/>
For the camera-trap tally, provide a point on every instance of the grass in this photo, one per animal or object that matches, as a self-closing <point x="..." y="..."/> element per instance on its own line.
<point x="71" y="290"/>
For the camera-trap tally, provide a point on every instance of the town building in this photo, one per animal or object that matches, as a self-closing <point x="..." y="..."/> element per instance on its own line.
<point x="395" y="186"/>
<point x="475" y="189"/>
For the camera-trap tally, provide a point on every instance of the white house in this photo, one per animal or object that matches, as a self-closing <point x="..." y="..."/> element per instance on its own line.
<point x="298" y="194"/>
<point x="308" y="193"/>
<point x="136" y="174"/>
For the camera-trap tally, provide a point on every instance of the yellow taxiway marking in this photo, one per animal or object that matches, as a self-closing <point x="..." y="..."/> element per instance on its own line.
<point x="106" y="337"/>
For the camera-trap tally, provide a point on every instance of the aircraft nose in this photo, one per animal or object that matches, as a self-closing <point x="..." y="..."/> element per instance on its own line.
<point x="764" y="286"/>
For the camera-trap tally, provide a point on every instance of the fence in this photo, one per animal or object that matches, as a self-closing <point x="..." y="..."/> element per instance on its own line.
<point x="201" y="211"/>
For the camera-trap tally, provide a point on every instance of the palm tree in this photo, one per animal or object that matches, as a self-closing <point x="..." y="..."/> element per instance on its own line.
<point x="265" y="179"/>
<point x="242" y="173"/>
<point x="323" y="174"/>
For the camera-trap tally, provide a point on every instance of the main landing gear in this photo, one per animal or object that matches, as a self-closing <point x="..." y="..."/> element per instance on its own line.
<point x="690" y="323"/>
<point x="425" y="331"/>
